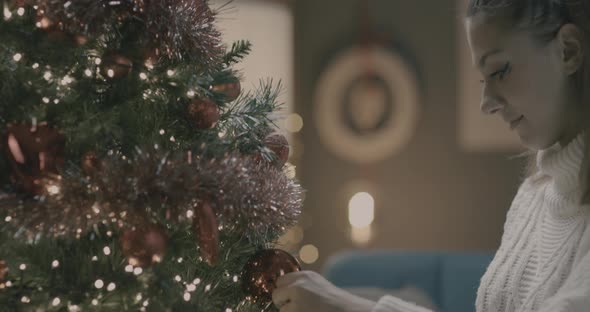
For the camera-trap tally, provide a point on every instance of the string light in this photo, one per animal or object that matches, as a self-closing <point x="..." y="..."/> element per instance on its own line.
<point x="106" y="250"/>
<point x="55" y="264"/>
<point x="111" y="287"/>
<point x="187" y="296"/>
<point x="56" y="301"/>
<point x="170" y="73"/>
<point x="142" y="76"/>
<point x="137" y="271"/>
<point x="22" y="267"/>
<point x="20" y="11"/>
<point x="94" y="302"/>
<point x="8" y="219"/>
<point x="129" y="268"/>
<point x="99" y="284"/>
<point x="17" y="57"/>
<point x="7" y="14"/>
<point x="177" y="278"/>
<point x="25" y="299"/>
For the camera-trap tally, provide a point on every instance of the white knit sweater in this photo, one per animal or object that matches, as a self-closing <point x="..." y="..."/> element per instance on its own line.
<point x="543" y="263"/>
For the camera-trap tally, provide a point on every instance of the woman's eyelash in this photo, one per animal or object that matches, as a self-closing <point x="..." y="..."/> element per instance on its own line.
<point x="500" y="73"/>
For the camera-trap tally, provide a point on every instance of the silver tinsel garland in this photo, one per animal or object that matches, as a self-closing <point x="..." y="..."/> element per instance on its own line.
<point x="179" y="29"/>
<point x="256" y="199"/>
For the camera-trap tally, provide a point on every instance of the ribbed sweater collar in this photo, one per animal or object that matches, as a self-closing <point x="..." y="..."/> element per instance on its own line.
<point x="563" y="164"/>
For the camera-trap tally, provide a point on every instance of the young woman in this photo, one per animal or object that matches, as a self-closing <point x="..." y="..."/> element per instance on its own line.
<point x="534" y="56"/>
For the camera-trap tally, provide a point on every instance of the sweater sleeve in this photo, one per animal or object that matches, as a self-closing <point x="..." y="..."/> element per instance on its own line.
<point x="574" y="295"/>
<point x="394" y="304"/>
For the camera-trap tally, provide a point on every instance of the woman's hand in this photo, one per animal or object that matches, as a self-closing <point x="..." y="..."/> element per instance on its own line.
<point x="306" y="291"/>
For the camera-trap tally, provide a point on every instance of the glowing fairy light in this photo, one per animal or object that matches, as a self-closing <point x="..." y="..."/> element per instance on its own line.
<point x="97" y="61"/>
<point x="20" y="11"/>
<point x="99" y="284"/>
<point x="35" y="66"/>
<point x="106" y="250"/>
<point x="129" y="268"/>
<point x="190" y="94"/>
<point x="55" y="264"/>
<point x="143" y="76"/>
<point x="22" y="267"/>
<point x="7" y="13"/>
<point x="111" y="287"/>
<point x="88" y="73"/>
<point x="53" y="189"/>
<point x="56" y="301"/>
<point x="186" y="296"/>
<point x="170" y="73"/>
<point x="47" y="75"/>
<point x="17" y="57"/>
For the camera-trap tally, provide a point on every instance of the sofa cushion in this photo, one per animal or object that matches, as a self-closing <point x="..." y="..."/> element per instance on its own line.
<point x="460" y="278"/>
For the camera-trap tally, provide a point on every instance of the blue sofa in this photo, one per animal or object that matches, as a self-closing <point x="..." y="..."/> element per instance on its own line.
<point x="449" y="278"/>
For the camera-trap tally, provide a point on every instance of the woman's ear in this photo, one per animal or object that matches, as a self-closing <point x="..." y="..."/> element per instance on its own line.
<point x="570" y="39"/>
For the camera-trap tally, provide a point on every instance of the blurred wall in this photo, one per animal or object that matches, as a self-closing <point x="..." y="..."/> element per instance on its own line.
<point x="432" y="193"/>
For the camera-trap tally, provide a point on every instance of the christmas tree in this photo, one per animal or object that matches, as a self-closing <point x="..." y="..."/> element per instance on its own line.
<point x="135" y="173"/>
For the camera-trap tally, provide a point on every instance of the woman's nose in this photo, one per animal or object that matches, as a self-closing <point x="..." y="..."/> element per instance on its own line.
<point x="489" y="102"/>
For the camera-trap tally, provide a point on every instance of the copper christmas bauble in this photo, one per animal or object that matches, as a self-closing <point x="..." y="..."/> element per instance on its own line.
<point x="115" y="66"/>
<point x="260" y="274"/>
<point x="206" y="231"/>
<point x="144" y="246"/>
<point x="279" y="145"/>
<point x="34" y="153"/>
<point x="203" y="113"/>
<point x="230" y="90"/>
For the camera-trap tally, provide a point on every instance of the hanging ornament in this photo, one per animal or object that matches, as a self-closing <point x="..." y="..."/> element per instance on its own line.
<point x="280" y="146"/>
<point x="144" y="246"/>
<point x="230" y="90"/>
<point x="90" y="163"/>
<point x="36" y="155"/>
<point x="203" y="113"/>
<point x="115" y="66"/>
<point x="3" y="271"/>
<point x="206" y="231"/>
<point x="260" y="274"/>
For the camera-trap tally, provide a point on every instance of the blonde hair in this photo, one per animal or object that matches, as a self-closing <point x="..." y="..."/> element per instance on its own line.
<point x="544" y="18"/>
